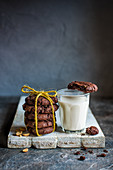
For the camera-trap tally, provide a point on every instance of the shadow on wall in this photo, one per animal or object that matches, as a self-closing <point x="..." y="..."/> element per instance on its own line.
<point x="103" y="43"/>
<point x="49" y="44"/>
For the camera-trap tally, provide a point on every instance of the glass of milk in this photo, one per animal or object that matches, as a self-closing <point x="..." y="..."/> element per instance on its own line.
<point x="73" y="109"/>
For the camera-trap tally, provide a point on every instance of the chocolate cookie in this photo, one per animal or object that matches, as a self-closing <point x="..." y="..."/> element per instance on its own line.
<point x="92" y="130"/>
<point x="41" y="131"/>
<point x="86" y="87"/>
<point x="40" y="109"/>
<point x="44" y="114"/>
<point x="41" y="124"/>
<point x="30" y="116"/>
<point x="30" y="100"/>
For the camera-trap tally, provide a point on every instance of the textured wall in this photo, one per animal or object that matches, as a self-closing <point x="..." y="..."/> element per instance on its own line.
<point x="47" y="44"/>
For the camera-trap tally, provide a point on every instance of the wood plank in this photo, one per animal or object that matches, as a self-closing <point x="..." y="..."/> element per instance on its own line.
<point x="57" y="138"/>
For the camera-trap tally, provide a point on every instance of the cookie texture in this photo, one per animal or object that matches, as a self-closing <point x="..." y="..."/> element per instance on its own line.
<point x="31" y="116"/>
<point x="44" y="114"/>
<point x="41" y="131"/>
<point x="92" y="130"/>
<point x="30" y="100"/>
<point x="41" y="124"/>
<point x="86" y="87"/>
<point x="40" y="109"/>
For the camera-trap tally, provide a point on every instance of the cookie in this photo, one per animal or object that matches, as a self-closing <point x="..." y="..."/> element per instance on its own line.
<point x="86" y="87"/>
<point x="41" y="124"/>
<point x="31" y="116"/>
<point x="44" y="114"/>
<point x="41" y="131"/>
<point x="92" y="130"/>
<point x="40" y="109"/>
<point x="30" y="100"/>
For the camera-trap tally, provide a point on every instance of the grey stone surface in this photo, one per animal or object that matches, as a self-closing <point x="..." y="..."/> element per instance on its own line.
<point x="47" y="44"/>
<point x="56" y="139"/>
<point x="60" y="159"/>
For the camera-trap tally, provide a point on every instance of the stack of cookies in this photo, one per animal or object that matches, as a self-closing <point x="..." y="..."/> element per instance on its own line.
<point x="44" y="114"/>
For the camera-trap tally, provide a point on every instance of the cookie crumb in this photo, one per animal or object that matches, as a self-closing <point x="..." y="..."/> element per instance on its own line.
<point x="77" y="153"/>
<point x="101" y="155"/>
<point x="92" y="130"/>
<point x="82" y="158"/>
<point x="82" y="134"/>
<point x="90" y="151"/>
<point x="84" y="148"/>
<point x="105" y="150"/>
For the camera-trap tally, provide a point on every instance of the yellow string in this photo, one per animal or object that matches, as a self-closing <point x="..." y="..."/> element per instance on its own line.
<point x="45" y="94"/>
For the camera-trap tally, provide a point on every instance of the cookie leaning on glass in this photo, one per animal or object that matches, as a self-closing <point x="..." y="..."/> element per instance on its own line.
<point x="86" y="87"/>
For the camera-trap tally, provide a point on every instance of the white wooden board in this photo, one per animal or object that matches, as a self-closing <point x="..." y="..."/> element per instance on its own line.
<point x="57" y="138"/>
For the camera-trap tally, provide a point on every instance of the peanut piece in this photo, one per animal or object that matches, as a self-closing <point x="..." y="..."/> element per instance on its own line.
<point x="26" y="134"/>
<point x="18" y="133"/>
<point x="25" y="150"/>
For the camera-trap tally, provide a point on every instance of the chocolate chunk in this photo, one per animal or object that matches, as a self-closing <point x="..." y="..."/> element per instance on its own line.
<point x="82" y="134"/>
<point x="92" y="130"/>
<point x="101" y="155"/>
<point x="27" y="107"/>
<point x="49" y="109"/>
<point x="86" y="87"/>
<point x="30" y="100"/>
<point x="90" y="151"/>
<point x="55" y="100"/>
<point x="82" y="158"/>
<point x="77" y="153"/>
<point x="105" y="150"/>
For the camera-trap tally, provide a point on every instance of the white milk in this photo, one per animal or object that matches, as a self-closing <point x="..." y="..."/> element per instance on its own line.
<point x="73" y="111"/>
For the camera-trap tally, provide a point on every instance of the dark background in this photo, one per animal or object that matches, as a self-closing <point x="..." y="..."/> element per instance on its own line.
<point x="47" y="44"/>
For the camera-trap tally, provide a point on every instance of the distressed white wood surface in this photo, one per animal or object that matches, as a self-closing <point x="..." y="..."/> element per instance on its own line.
<point x="55" y="139"/>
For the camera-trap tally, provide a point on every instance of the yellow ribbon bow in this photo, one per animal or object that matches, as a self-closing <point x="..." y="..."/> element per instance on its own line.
<point x="45" y="94"/>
